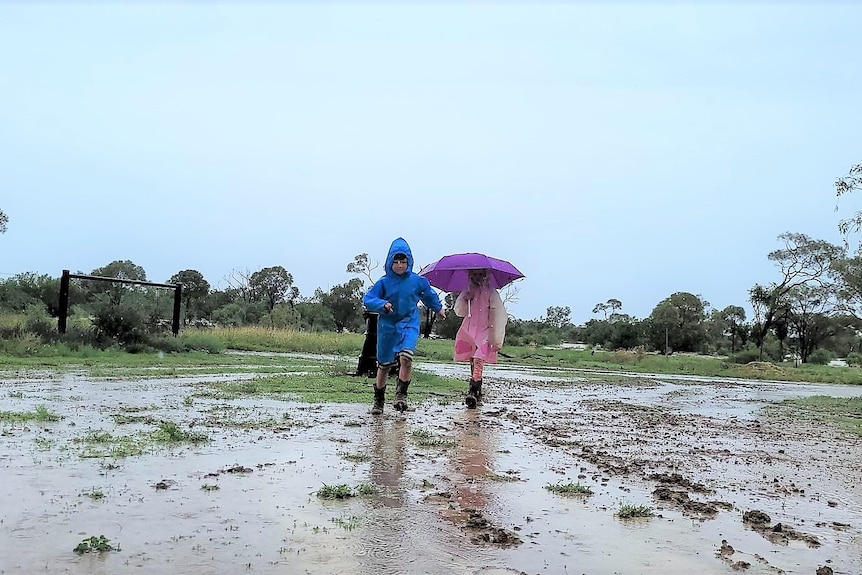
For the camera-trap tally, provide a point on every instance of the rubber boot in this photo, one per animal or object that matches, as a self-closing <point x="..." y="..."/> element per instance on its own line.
<point x="379" y="398"/>
<point x="401" y="395"/>
<point x="474" y="395"/>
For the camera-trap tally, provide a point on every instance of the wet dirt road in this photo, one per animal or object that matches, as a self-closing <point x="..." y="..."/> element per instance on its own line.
<point x="735" y="485"/>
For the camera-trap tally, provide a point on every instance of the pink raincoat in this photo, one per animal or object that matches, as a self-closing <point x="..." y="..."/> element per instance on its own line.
<point x="484" y="327"/>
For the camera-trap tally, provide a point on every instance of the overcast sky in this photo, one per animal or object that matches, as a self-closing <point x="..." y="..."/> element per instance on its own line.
<point x="608" y="150"/>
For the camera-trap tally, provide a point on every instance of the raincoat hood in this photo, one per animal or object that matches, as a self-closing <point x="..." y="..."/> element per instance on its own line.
<point x="399" y="246"/>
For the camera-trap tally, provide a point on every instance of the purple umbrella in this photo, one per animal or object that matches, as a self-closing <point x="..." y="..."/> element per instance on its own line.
<point x="450" y="273"/>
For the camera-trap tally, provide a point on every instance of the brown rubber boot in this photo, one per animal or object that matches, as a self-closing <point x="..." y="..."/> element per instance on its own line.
<point x="379" y="398"/>
<point x="400" y="403"/>
<point x="474" y="395"/>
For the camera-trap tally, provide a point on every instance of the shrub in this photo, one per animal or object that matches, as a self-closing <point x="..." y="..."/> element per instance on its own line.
<point x="854" y="358"/>
<point x="121" y="323"/>
<point x="745" y="356"/>
<point x="38" y="323"/>
<point x="820" y="357"/>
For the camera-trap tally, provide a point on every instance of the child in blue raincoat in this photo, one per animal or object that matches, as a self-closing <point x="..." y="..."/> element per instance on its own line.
<point x="395" y="297"/>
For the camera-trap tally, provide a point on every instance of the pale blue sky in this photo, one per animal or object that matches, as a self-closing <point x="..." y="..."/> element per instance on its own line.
<point x="609" y="150"/>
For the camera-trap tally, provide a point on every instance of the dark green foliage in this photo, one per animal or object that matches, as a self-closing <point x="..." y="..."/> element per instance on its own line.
<point x="194" y="292"/>
<point x="820" y="357"/>
<point x="95" y="544"/>
<point x="344" y="303"/>
<point x="678" y="324"/>
<point x="121" y="323"/>
<point x="745" y="356"/>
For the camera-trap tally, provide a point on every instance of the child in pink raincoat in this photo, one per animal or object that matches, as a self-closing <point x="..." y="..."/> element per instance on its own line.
<point x="481" y="334"/>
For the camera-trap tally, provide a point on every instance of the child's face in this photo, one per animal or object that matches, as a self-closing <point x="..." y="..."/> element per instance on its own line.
<point x="399" y="265"/>
<point x="477" y="276"/>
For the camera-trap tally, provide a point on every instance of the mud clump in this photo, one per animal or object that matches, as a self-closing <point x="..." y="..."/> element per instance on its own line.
<point x="756" y="517"/>
<point x="779" y="533"/>
<point x="681" y="499"/>
<point x="485" y="533"/>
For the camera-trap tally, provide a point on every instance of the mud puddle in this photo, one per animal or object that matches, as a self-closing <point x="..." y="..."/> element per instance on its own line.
<point x="731" y="488"/>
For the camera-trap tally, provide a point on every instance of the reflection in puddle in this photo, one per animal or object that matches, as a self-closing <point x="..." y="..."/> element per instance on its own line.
<point x="455" y="507"/>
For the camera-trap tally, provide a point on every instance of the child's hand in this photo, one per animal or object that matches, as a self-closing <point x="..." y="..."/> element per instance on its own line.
<point x="441" y="314"/>
<point x="387" y="307"/>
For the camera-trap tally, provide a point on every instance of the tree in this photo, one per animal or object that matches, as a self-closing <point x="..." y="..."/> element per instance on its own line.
<point x="614" y="305"/>
<point x="626" y="332"/>
<point x="733" y="318"/>
<point x="120" y="269"/>
<point x="361" y="266"/>
<point x="344" y="303"/>
<point x="677" y="323"/>
<point x="4" y="221"/>
<point x="238" y="285"/>
<point x="803" y="261"/>
<point x="43" y="289"/>
<point x="195" y="290"/>
<point x="272" y="285"/>
<point x="808" y="309"/>
<point x="558" y="317"/>
<point x="852" y="182"/>
<point x="848" y="284"/>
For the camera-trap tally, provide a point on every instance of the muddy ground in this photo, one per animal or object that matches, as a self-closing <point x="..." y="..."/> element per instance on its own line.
<point x="735" y="483"/>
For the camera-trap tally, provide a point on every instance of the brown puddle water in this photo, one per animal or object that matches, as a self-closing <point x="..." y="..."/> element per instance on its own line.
<point x="700" y="454"/>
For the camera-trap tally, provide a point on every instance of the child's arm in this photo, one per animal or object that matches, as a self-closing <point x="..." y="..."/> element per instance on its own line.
<point x="431" y="300"/>
<point x="374" y="300"/>
<point x="460" y="307"/>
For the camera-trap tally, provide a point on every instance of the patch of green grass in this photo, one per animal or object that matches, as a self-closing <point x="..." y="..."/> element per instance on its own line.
<point x="41" y="414"/>
<point x="170" y="432"/>
<point x="95" y="544"/>
<point x="355" y="457"/>
<point x="341" y="491"/>
<point x="94" y="494"/>
<point x="320" y="386"/>
<point x="209" y="487"/>
<point x="424" y="438"/>
<point x="227" y="416"/>
<point x="16" y="394"/>
<point x="628" y="511"/>
<point x="43" y="443"/>
<point x="125" y="418"/>
<point x="569" y="488"/>
<point x="348" y="523"/>
<point x="344" y="491"/>
<point x="844" y="412"/>
<point x="365" y="489"/>
<point x="98" y="443"/>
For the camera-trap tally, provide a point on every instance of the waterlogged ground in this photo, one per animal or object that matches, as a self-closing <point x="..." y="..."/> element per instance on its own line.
<point x="735" y="484"/>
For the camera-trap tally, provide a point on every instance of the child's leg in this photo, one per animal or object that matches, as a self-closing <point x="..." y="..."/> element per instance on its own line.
<point x="382" y="374"/>
<point x="476" y="366"/>
<point x="474" y="394"/>
<point x="405" y="372"/>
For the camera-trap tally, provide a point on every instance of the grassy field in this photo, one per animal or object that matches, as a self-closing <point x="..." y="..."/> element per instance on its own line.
<point x="349" y="346"/>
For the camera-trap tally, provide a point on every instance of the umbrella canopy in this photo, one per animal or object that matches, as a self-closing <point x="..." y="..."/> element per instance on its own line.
<point x="451" y="273"/>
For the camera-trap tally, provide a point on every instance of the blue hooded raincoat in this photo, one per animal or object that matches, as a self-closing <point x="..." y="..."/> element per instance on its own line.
<point x="399" y="329"/>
